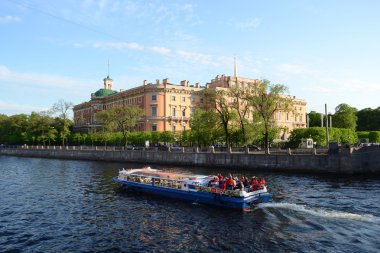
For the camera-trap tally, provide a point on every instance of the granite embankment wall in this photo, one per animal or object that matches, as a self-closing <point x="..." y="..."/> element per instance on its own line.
<point x="363" y="161"/>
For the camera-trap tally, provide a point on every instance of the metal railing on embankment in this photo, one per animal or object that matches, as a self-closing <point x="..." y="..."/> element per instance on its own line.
<point x="235" y="150"/>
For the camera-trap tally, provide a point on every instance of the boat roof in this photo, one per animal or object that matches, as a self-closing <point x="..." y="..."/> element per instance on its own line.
<point x="147" y="171"/>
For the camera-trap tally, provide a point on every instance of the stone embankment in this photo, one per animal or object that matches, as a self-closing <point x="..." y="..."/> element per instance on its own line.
<point x="347" y="161"/>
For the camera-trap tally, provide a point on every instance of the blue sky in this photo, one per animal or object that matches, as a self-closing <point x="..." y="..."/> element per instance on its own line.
<point x="323" y="51"/>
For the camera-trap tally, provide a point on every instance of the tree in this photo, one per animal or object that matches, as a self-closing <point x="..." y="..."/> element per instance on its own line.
<point x="121" y="118"/>
<point x="315" y="119"/>
<point x="219" y="102"/>
<point x="62" y="108"/>
<point x="266" y="99"/>
<point x="242" y="107"/>
<point x="345" y="117"/>
<point x="204" y="127"/>
<point x="368" y="119"/>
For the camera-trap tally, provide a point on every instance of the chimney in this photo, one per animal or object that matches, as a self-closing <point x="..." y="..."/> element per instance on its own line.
<point x="145" y="82"/>
<point x="158" y="81"/>
<point x="187" y="84"/>
<point x="183" y="82"/>
<point x="196" y="85"/>
<point x="165" y="81"/>
<point x="207" y="86"/>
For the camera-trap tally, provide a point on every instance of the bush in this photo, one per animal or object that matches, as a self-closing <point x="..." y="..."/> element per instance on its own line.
<point x="374" y="136"/>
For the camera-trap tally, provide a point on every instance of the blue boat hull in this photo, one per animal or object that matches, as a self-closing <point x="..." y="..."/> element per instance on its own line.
<point x="198" y="196"/>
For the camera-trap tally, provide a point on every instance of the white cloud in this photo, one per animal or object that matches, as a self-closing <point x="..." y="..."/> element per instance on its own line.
<point x="195" y="57"/>
<point x="118" y="45"/>
<point x="186" y="7"/>
<point x="10" y="19"/>
<point x="160" y="50"/>
<point x="39" y="79"/>
<point x="249" y="23"/>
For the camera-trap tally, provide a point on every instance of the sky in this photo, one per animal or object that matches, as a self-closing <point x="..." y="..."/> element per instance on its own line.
<point x="324" y="51"/>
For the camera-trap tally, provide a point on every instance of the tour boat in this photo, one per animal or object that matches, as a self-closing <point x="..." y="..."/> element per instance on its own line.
<point x="195" y="188"/>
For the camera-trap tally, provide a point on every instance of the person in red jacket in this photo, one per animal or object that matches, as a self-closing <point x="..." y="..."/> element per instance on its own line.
<point x="262" y="183"/>
<point x="231" y="183"/>
<point x="254" y="184"/>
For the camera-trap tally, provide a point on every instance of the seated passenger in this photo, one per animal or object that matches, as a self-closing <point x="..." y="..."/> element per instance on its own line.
<point x="220" y="177"/>
<point x="254" y="184"/>
<point x="213" y="182"/>
<point x="262" y="183"/>
<point x="244" y="180"/>
<point x="231" y="183"/>
<point x="240" y="186"/>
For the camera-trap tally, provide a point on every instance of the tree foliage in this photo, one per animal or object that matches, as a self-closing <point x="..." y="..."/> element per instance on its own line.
<point x="315" y="119"/>
<point x="345" y="117"/>
<point x="318" y="134"/>
<point x="368" y="119"/>
<point x="267" y="98"/>
<point x="121" y="118"/>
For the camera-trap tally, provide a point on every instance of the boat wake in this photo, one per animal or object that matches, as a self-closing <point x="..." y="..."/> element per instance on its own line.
<point x="320" y="212"/>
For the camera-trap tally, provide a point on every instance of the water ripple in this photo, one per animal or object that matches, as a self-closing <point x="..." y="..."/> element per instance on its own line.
<point x="52" y="205"/>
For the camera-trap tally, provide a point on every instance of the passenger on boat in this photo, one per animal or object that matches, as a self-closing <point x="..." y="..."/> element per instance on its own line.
<point x="231" y="183"/>
<point x="213" y="182"/>
<point x="240" y="186"/>
<point x="244" y="180"/>
<point x="262" y="183"/>
<point x="254" y="184"/>
<point x="222" y="185"/>
<point x="220" y="177"/>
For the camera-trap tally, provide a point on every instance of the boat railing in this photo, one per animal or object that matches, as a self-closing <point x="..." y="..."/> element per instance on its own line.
<point x="156" y="181"/>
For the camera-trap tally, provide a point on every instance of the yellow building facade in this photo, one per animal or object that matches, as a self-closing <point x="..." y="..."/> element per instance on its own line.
<point x="168" y="107"/>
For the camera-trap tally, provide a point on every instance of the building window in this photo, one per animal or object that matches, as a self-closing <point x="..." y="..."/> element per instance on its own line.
<point x="173" y="111"/>
<point x="140" y="99"/>
<point x="193" y="110"/>
<point x="154" y="111"/>
<point x="174" y="129"/>
<point x="184" y="112"/>
<point x="301" y="118"/>
<point x="154" y="97"/>
<point x="192" y="99"/>
<point x="173" y="98"/>
<point x="183" y="128"/>
<point x="287" y="116"/>
<point x="183" y="99"/>
<point x="154" y="128"/>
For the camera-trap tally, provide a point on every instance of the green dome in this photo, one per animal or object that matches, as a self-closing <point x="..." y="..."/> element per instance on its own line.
<point x="107" y="78"/>
<point x="104" y="93"/>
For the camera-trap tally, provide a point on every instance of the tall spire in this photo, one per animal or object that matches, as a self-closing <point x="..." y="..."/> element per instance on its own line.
<point x="235" y="71"/>
<point x="108" y="73"/>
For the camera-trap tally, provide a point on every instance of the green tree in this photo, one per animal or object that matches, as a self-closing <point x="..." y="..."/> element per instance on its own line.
<point x="121" y="118"/>
<point x="167" y="137"/>
<point x="345" y="117"/>
<point x="315" y="119"/>
<point x="77" y="137"/>
<point x="368" y="119"/>
<point x="204" y="127"/>
<point x="238" y="94"/>
<point x="266" y="99"/>
<point x="62" y="109"/>
<point x="374" y="136"/>
<point x="219" y="101"/>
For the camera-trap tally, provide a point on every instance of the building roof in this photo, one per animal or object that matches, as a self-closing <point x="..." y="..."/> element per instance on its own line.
<point x="104" y="92"/>
<point x="107" y="78"/>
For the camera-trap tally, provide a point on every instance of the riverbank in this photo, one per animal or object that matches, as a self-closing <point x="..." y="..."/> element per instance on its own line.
<point x="363" y="161"/>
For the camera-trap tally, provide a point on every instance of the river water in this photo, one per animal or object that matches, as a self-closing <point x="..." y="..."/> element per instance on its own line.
<point x="49" y="205"/>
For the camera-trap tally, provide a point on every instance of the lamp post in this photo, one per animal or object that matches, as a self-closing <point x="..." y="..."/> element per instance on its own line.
<point x="327" y="126"/>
